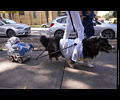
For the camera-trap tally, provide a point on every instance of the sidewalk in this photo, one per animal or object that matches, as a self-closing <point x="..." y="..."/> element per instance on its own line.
<point x="42" y="74"/>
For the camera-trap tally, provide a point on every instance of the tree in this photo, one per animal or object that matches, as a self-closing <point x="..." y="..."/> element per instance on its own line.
<point x="99" y="16"/>
<point x="115" y="14"/>
<point x="108" y="15"/>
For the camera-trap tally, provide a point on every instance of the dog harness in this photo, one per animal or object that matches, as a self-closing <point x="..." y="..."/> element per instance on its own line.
<point x="74" y="52"/>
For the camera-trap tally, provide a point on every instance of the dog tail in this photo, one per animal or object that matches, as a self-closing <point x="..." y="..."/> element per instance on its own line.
<point x="45" y="41"/>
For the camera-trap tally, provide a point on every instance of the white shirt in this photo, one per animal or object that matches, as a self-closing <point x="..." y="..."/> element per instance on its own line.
<point x="73" y="52"/>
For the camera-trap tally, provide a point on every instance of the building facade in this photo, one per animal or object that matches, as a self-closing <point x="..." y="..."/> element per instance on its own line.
<point x="33" y="17"/>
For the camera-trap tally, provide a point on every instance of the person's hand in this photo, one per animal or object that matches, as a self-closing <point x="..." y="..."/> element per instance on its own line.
<point x="96" y="18"/>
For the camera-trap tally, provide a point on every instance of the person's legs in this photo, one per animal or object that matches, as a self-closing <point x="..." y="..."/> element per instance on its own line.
<point x="68" y="27"/>
<point x="78" y="24"/>
<point x="89" y="28"/>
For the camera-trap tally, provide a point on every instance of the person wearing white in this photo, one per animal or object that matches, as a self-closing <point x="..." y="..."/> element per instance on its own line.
<point x="77" y="23"/>
<point x="74" y="52"/>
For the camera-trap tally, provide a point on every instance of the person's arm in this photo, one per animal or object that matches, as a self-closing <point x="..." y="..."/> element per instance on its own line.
<point x="80" y="12"/>
<point x="96" y="18"/>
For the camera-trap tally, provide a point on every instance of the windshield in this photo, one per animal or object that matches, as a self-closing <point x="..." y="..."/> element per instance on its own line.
<point x="8" y="21"/>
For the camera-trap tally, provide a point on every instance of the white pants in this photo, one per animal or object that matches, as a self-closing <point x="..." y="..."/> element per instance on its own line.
<point x="77" y="24"/>
<point x="74" y="52"/>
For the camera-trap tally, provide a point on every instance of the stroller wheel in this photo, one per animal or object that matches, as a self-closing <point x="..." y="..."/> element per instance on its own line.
<point x="20" y="60"/>
<point x="11" y="59"/>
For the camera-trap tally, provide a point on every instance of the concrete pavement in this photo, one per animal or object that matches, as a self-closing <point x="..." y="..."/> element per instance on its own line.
<point x="42" y="74"/>
<point x="36" y="74"/>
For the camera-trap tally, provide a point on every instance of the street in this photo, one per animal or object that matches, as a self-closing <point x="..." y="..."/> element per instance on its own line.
<point x="43" y="74"/>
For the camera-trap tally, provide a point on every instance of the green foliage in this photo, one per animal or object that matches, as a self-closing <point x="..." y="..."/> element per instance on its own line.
<point x="115" y="21"/>
<point x="99" y="16"/>
<point x="115" y="14"/>
<point x="111" y="14"/>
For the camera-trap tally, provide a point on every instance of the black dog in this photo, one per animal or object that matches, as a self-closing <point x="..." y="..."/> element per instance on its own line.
<point x="91" y="48"/>
<point x="51" y="45"/>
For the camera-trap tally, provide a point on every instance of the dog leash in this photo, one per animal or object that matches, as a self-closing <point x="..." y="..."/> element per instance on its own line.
<point x="54" y="52"/>
<point x="40" y="54"/>
<point x="72" y="24"/>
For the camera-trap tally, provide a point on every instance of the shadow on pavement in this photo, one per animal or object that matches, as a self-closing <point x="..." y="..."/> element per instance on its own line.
<point x="102" y="76"/>
<point x="42" y="74"/>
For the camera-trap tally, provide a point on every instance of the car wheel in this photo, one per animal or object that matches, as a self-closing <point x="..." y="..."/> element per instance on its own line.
<point x="44" y="26"/>
<point x="109" y="34"/>
<point x="59" y="33"/>
<point x="11" y="33"/>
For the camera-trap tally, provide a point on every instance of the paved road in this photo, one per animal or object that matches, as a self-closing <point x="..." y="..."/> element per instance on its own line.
<point x="35" y="34"/>
<point x="42" y="74"/>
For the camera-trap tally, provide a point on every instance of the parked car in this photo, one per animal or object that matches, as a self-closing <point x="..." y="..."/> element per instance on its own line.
<point x="58" y="25"/>
<point x="47" y="25"/>
<point x="11" y="28"/>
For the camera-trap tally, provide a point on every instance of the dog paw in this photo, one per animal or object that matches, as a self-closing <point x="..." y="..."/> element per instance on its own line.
<point x="50" y="61"/>
<point x="58" y="61"/>
<point x="71" y="65"/>
<point x="90" y="66"/>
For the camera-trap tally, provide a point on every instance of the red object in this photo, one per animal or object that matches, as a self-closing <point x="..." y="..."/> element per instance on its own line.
<point x="17" y="42"/>
<point x="52" y="24"/>
<point x="15" y="57"/>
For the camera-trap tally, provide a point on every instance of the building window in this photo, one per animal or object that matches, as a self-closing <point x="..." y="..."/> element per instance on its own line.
<point x="13" y="15"/>
<point x="59" y="13"/>
<point x="4" y="15"/>
<point x="34" y="14"/>
<point x="21" y="12"/>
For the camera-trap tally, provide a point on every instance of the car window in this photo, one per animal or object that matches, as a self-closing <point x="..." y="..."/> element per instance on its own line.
<point x="62" y="20"/>
<point x="7" y="21"/>
<point x="59" y="20"/>
<point x="1" y="23"/>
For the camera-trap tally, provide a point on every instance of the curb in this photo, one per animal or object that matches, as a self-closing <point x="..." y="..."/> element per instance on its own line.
<point x="32" y="39"/>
